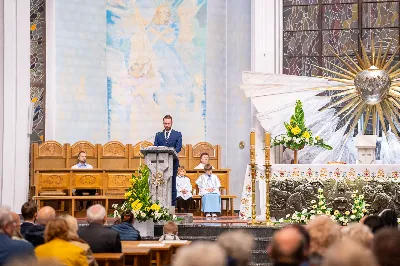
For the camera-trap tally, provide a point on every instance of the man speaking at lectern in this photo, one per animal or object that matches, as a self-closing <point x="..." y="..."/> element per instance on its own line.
<point x="170" y="138"/>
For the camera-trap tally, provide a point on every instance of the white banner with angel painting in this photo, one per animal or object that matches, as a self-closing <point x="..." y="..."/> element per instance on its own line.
<point x="156" y="64"/>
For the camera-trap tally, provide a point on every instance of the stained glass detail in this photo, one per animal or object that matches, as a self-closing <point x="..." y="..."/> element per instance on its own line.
<point x="299" y="2"/>
<point x="385" y="36"/>
<point x="37" y="63"/>
<point x="380" y="15"/>
<point x="38" y="67"/>
<point x="300" y="18"/>
<point x="301" y="43"/>
<point x="311" y="27"/>
<point x="300" y="66"/>
<point x="343" y="16"/>
<point x="341" y="41"/>
<point x="338" y="1"/>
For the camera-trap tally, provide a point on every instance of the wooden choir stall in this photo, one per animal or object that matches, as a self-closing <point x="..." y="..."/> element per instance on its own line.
<point x="54" y="182"/>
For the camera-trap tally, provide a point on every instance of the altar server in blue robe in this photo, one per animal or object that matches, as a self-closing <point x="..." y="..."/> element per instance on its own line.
<point x="209" y="185"/>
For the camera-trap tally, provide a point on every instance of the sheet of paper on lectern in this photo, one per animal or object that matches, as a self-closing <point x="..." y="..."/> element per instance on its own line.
<point x="151" y="245"/>
<point x="174" y="241"/>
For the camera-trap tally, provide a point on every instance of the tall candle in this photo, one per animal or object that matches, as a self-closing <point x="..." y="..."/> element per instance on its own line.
<point x="252" y="138"/>
<point x="267" y="139"/>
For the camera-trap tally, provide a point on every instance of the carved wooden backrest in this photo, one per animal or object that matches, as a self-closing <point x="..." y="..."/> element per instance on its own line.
<point x="90" y="149"/>
<point x="137" y="157"/>
<point x="183" y="156"/>
<point x="204" y="147"/>
<point x="52" y="181"/>
<point x="114" y="155"/>
<point x="48" y="155"/>
<point x="223" y="176"/>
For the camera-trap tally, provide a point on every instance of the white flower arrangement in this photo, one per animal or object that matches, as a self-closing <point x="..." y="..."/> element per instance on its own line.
<point x="357" y="212"/>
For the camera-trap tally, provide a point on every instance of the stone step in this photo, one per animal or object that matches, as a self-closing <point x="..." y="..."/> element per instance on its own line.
<point x="259" y="243"/>
<point x="210" y="230"/>
<point x="259" y="256"/>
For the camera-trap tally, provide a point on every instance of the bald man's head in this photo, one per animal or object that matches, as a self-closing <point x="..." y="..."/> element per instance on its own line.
<point x="45" y="214"/>
<point x="287" y="246"/>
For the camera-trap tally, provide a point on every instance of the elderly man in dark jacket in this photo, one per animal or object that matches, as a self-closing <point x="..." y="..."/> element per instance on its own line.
<point x="9" y="248"/>
<point x="101" y="239"/>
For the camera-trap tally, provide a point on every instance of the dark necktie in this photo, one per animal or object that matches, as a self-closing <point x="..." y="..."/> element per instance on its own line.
<point x="167" y="135"/>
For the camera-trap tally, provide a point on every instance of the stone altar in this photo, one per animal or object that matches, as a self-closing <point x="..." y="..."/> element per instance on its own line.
<point x="294" y="187"/>
<point x="159" y="159"/>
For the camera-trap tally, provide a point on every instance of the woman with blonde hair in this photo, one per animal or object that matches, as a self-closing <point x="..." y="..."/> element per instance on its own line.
<point x="323" y="233"/>
<point x="58" y="247"/>
<point x="73" y="238"/>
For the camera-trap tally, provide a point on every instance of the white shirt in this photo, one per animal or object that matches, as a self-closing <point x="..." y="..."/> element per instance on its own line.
<point x="201" y="166"/>
<point x="82" y="166"/>
<point x="183" y="182"/>
<point x="206" y="182"/>
<point x="169" y="133"/>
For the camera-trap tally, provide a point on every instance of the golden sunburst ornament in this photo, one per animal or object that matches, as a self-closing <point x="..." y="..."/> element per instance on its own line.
<point x="370" y="86"/>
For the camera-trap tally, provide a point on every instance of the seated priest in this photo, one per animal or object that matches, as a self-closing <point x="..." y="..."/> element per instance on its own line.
<point x="82" y="164"/>
<point x="204" y="157"/>
<point x="184" y="189"/>
<point x="209" y="185"/>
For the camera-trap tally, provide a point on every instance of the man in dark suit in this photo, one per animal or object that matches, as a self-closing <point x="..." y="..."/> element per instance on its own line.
<point x="35" y="234"/>
<point x="170" y="138"/>
<point x="101" y="239"/>
<point x="28" y="212"/>
<point x="9" y="248"/>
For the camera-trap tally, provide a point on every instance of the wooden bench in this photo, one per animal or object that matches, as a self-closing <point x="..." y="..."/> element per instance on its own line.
<point x="112" y="155"/>
<point x="108" y="259"/>
<point x="160" y="255"/>
<point x="137" y="256"/>
<point x="223" y="175"/>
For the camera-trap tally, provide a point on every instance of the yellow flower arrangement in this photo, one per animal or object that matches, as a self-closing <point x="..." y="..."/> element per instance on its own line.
<point x="138" y="200"/>
<point x="155" y="207"/>
<point x="296" y="130"/>
<point x="306" y="135"/>
<point x="297" y="134"/>
<point x="127" y="194"/>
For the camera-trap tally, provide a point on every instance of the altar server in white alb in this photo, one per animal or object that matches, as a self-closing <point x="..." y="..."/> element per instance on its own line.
<point x="184" y="189"/>
<point x="204" y="158"/>
<point x="209" y="185"/>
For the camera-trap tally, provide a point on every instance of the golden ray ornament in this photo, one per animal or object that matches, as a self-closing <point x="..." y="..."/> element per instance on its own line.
<point x="371" y="86"/>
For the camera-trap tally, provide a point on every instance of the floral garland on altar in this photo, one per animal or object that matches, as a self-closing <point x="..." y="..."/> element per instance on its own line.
<point x="320" y="208"/>
<point x="138" y="200"/>
<point x="298" y="135"/>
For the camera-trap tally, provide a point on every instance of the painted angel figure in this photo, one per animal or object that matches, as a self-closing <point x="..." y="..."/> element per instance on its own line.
<point x="162" y="34"/>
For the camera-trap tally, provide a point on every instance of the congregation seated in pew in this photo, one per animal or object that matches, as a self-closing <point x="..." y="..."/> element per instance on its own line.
<point x="204" y="160"/>
<point x="58" y="247"/>
<point x="73" y="238"/>
<point x="35" y="234"/>
<point x="124" y="227"/>
<point x="209" y="185"/>
<point x="100" y="238"/>
<point x="29" y="213"/>
<point x="11" y="248"/>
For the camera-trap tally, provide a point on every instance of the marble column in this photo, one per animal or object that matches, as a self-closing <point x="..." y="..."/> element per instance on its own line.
<point x="14" y="102"/>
